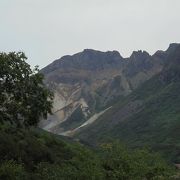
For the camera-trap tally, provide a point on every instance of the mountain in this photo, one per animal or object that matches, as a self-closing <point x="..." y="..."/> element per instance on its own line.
<point x="88" y="82"/>
<point x="30" y="153"/>
<point x="150" y="115"/>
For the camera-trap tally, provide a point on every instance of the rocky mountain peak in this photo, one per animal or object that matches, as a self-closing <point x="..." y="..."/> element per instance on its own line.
<point x="139" y="55"/>
<point x="92" y="80"/>
<point x="159" y="53"/>
<point x="172" y="47"/>
<point x="91" y="54"/>
<point x="92" y="51"/>
<point x="88" y="59"/>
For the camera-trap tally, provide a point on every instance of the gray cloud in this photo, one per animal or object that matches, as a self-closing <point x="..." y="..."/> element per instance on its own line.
<point x="48" y="29"/>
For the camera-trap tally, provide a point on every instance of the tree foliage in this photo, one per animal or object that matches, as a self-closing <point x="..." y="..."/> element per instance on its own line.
<point x="35" y="154"/>
<point x="10" y="170"/>
<point x="40" y="155"/>
<point x="23" y="97"/>
<point x="122" y="163"/>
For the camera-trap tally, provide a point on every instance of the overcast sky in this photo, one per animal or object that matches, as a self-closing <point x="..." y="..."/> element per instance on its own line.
<point x="48" y="29"/>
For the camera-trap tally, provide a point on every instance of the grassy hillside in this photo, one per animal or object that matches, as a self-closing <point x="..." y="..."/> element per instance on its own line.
<point x="149" y="116"/>
<point x="37" y="155"/>
<point x="28" y="153"/>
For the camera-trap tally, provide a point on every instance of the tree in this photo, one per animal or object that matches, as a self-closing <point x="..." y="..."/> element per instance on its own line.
<point x="122" y="163"/>
<point x="23" y="97"/>
<point x="10" y="170"/>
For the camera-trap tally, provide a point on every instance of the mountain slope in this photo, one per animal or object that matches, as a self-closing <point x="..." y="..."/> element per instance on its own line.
<point x="148" y="116"/>
<point x="92" y="81"/>
<point x="28" y="154"/>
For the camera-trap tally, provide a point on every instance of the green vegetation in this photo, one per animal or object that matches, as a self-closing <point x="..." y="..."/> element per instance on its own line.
<point x="38" y="155"/>
<point x="33" y="154"/>
<point x="150" y="116"/>
<point x="41" y="155"/>
<point x="121" y="163"/>
<point x="156" y="123"/>
<point x="23" y="97"/>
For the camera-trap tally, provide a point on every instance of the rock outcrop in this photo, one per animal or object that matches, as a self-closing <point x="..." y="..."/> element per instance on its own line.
<point x="92" y="80"/>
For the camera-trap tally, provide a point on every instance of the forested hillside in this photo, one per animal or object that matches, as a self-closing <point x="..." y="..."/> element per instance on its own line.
<point x="29" y="153"/>
<point x="148" y="116"/>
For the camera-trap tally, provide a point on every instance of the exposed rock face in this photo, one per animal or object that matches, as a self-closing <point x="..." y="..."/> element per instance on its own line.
<point x="91" y="80"/>
<point x="148" y="116"/>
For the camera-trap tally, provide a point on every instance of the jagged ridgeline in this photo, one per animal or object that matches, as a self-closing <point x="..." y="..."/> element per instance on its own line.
<point x="150" y="115"/>
<point x="92" y="81"/>
<point x="30" y="153"/>
<point x="138" y="96"/>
